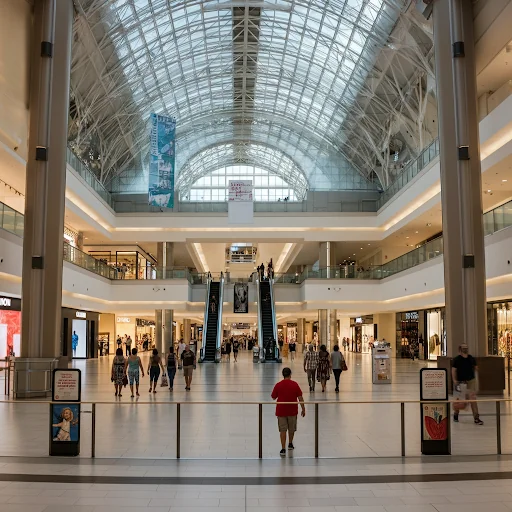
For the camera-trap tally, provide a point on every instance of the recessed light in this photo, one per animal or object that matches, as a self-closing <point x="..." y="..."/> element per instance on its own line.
<point x="407" y="237"/>
<point x="369" y="244"/>
<point x="489" y="191"/>
<point x="417" y="232"/>
<point x="504" y="181"/>
<point x="361" y="248"/>
<point x="354" y="254"/>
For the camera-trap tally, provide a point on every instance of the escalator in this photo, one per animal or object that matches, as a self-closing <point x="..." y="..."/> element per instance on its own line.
<point x="267" y="327"/>
<point x="212" y="327"/>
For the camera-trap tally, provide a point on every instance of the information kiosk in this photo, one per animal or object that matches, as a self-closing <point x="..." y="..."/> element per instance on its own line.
<point x="381" y="365"/>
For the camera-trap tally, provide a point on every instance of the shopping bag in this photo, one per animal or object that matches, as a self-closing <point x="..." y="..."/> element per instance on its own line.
<point x="344" y="366"/>
<point x="164" y="383"/>
<point x="459" y="394"/>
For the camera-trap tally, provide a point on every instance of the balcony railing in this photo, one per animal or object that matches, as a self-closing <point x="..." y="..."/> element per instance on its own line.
<point x="494" y="220"/>
<point x="410" y="171"/>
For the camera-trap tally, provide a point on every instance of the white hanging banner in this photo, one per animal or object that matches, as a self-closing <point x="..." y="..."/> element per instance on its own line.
<point x="240" y="202"/>
<point x="240" y="191"/>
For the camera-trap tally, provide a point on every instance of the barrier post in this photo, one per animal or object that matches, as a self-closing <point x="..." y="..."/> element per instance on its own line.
<point x="260" y="430"/>
<point x="93" y="431"/>
<point x="498" y="427"/>
<point x="316" y="431"/>
<point x="178" y="431"/>
<point x="402" y="427"/>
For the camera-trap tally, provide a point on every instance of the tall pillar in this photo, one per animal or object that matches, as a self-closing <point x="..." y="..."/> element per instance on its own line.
<point x="323" y="327"/>
<point x="186" y="330"/>
<point x="46" y="179"/>
<point x="158" y="330"/>
<point x="301" y="331"/>
<point x="461" y="179"/>
<point x="333" y="329"/>
<point x="165" y="258"/>
<point x="167" y="338"/>
<point x="327" y="256"/>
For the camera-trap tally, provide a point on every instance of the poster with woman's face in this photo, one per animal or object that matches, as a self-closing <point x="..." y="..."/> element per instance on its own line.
<point x="241" y="302"/>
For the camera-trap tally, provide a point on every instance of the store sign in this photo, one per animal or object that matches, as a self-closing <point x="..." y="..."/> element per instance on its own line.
<point x="240" y="191"/>
<point x="359" y="320"/>
<point x="5" y="302"/>
<point x="81" y="314"/>
<point x="433" y="384"/>
<point x="412" y="315"/>
<point x="123" y="320"/>
<point x="66" y="385"/>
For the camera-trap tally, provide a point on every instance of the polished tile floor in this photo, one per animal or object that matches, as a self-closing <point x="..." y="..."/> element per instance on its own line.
<point x="146" y="427"/>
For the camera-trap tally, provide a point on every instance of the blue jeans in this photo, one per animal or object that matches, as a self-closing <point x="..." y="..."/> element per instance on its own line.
<point x="171" y="372"/>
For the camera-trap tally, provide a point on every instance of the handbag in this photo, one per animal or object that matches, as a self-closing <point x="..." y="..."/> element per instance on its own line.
<point x="344" y="366"/>
<point x="125" y="381"/>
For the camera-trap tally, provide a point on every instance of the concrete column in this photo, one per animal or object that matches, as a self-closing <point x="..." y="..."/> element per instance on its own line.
<point x="301" y="330"/>
<point x="165" y="258"/>
<point x="178" y="330"/>
<point x="158" y="330"/>
<point x="461" y="183"/>
<point x="46" y="178"/>
<point x="186" y="331"/>
<point x="327" y="256"/>
<point x="333" y="329"/>
<point x="167" y="338"/>
<point x="323" y="327"/>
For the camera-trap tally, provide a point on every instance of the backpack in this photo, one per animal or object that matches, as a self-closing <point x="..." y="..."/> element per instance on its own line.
<point x="171" y="360"/>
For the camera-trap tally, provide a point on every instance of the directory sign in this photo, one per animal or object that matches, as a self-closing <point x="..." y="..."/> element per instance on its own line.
<point x="435" y="412"/>
<point x="240" y="191"/>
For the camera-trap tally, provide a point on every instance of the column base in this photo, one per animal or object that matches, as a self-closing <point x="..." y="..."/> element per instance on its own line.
<point x="491" y="374"/>
<point x="33" y="377"/>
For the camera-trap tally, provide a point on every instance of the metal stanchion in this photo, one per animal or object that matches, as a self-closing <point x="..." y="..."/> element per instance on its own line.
<point x="402" y="427"/>
<point x="178" y="431"/>
<point x="508" y="374"/>
<point x="498" y="427"/>
<point x="260" y="430"/>
<point x="93" y="431"/>
<point x="316" y="431"/>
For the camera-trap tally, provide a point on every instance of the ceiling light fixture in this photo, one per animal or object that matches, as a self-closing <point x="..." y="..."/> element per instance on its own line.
<point x="504" y="181"/>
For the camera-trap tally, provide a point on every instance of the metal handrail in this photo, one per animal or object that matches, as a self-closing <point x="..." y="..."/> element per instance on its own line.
<point x="260" y="404"/>
<point x="261" y="343"/>
<point x="202" y="353"/>
<point x="274" y="321"/>
<point x="219" y="319"/>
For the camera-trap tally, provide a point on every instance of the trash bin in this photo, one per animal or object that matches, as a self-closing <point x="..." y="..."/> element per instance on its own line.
<point x="256" y="355"/>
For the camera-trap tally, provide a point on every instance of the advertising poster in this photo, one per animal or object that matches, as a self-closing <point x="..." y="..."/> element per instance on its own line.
<point x="79" y="338"/>
<point x="162" y="161"/>
<point x="241" y="302"/>
<point x="10" y="329"/>
<point x="435" y="422"/>
<point x="65" y="423"/>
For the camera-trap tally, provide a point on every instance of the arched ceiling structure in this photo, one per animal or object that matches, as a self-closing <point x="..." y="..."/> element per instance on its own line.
<point x="299" y="76"/>
<point x="224" y="155"/>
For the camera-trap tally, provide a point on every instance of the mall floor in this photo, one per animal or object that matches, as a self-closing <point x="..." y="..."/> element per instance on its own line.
<point x="359" y="469"/>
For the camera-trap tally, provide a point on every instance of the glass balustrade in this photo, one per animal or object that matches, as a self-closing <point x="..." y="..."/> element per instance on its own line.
<point x="495" y="220"/>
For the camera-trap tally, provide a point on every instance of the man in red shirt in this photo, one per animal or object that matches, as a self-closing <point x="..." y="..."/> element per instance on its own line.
<point x="287" y="392"/>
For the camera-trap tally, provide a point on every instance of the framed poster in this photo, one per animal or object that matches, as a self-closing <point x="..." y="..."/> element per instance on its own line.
<point x="241" y="301"/>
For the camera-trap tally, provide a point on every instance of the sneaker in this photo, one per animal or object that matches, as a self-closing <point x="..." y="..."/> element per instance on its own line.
<point x="337" y="390"/>
<point x="282" y="453"/>
<point x="290" y="446"/>
<point x="478" y="421"/>
<point x="456" y="418"/>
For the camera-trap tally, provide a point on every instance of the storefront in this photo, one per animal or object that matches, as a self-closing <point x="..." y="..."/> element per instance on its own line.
<point x="499" y="328"/>
<point x="363" y="334"/>
<point x="144" y="333"/>
<point x="410" y="327"/>
<point x="435" y="335"/>
<point x="79" y="334"/>
<point x="10" y="326"/>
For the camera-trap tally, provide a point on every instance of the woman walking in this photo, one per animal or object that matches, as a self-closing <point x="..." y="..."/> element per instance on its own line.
<point x="171" y="367"/>
<point x="118" y="371"/>
<point x="155" y="362"/>
<point x="324" y="367"/>
<point x="337" y="360"/>
<point x="133" y="365"/>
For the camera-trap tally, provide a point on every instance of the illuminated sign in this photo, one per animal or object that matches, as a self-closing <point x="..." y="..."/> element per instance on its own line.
<point x="5" y="302"/>
<point x="81" y="314"/>
<point x="123" y="320"/>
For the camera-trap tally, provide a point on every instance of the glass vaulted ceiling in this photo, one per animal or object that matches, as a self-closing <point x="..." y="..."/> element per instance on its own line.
<point x="279" y="73"/>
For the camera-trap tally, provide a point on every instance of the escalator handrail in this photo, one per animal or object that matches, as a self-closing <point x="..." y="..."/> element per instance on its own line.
<point x="260" y="322"/>
<point x="274" y="321"/>
<point x="219" y="318"/>
<point x="206" y="312"/>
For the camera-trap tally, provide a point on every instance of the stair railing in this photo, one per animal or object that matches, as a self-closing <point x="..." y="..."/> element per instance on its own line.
<point x="218" y="355"/>
<point x="274" y="321"/>
<point x="202" y="353"/>
<point x="260" y="321"/>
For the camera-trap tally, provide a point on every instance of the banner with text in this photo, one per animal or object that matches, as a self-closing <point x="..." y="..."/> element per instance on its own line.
<point x="240" y="191"/>
<point x="162" y="161"/>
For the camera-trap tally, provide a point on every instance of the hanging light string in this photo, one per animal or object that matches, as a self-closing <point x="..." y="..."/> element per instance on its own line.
<point x="11" y="188"/>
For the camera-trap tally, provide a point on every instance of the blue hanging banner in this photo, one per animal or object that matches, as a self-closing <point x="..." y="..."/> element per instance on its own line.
<point x="162" y="161"/>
